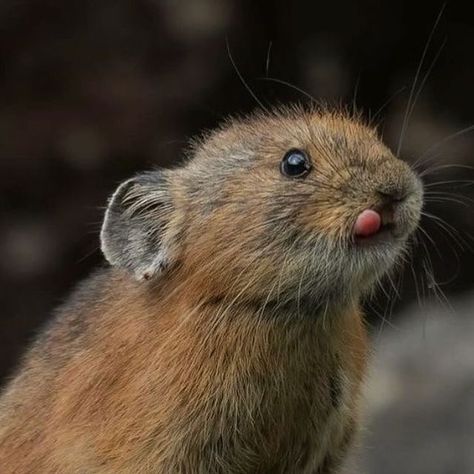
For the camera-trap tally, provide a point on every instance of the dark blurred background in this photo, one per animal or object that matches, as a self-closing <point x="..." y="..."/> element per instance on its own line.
<point x="93" y="91"/>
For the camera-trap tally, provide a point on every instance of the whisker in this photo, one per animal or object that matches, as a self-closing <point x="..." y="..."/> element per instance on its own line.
<point x="387" y="102"/>
<point x="434" y="169"/>
<point x="267" y="62"/>
<point x="465" y="182"/>
<point x="288" y="84"/>
<point x="417" y="287"/>
<point x="242" y="80"/>
<point x="442" y="198"/>
<point x="409" y="108"/>
<point x="449" y="229"/>
<point x="423" y="231"/>
<point x="425" y="78"/>
<point x="441" y="143"/>
<point x="354" y="99"/>
<point x="433" y="284"/>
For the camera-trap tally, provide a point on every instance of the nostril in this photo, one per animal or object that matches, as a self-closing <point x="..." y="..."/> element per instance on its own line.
<point x="392" y="196"/>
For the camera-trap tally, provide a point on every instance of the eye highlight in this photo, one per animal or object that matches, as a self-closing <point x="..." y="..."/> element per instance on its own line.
<point x="295" y="164"/>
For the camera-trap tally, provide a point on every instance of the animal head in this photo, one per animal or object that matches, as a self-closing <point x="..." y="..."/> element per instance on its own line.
<point x="293" y="203"/>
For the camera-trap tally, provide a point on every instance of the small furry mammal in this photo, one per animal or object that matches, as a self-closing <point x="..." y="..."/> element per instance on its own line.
<point x="226" y="335"/>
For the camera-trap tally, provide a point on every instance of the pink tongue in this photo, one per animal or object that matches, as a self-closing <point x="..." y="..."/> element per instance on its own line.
<point x="368" y="223"/>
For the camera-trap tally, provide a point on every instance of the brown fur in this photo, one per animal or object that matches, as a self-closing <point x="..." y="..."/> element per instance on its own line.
<point x="236" y="360"/>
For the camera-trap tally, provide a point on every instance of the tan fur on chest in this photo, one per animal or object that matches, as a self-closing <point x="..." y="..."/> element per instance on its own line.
<point x="252" y="395"/>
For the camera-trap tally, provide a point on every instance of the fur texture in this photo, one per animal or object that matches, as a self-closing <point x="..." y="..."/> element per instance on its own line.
<point x="227" y="336"/>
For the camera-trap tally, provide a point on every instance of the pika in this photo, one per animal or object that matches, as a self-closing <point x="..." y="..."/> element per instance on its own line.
<point x="226" y="335"/>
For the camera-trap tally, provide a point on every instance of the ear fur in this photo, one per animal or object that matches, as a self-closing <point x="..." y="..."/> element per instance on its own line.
<point x="135" y="233"/>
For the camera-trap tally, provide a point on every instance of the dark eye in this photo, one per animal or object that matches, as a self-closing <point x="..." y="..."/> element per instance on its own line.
<point x="295" y="164"/>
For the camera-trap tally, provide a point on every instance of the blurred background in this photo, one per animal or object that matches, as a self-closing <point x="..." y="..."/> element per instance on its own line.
<point x="93" y="91"/>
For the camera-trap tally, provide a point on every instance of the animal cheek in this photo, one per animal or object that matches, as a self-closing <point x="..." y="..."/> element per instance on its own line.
<point x="329" y="221"/>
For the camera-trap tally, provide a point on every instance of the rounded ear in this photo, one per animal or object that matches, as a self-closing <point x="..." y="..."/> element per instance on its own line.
<point x="135" y="233"/>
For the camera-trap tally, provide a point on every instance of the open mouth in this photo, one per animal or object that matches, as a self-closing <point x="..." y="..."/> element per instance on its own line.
<point x="372" y="226"/>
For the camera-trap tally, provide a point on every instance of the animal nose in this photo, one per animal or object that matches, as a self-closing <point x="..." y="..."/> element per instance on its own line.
<point x="391" y="197"/>
<point x="370" y="221"/>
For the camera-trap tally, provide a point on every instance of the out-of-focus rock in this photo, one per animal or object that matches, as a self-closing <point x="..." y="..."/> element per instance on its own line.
<point x="420" y="395"/>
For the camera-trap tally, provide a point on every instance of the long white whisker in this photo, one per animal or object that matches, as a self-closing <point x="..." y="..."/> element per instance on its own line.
<point x="409" y="109"/>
